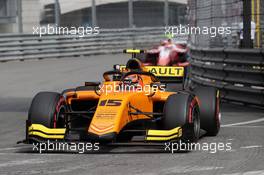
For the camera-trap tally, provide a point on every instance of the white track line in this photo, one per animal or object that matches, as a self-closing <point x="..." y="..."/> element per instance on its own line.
<point x="244" y="123"/>
<point x="230" y="139"/>
<point x="253" y="146"/>
<point x="13" y="148"/>
<point x="188" y="169"/>
<point x="22" y="162"/>
<point x="247" y="126"/>
<point x="261" y="172"/>
<point x="7" y="149"/>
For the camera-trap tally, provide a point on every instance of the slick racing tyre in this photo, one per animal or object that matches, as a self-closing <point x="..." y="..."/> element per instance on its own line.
<point x="182" y="110"/>
<point x="209" y="102"/>
<point x="174" y="87"/>
<point x="47" y="109"/>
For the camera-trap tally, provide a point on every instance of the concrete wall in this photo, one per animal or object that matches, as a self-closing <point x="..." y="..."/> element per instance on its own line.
<point x="107" y="17"/>
<point x="8" y="16"/>
<point x="73" y="5"/>
<point x="8" y="28"/>
<point x="115" y="15"/>
<point x="31" y="11"/>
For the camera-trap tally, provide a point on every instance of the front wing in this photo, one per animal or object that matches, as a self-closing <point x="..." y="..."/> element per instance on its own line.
<point x="38" y="132"/>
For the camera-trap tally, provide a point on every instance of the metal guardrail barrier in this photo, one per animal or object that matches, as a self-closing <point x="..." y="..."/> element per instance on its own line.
<point x="28" y="46"/>
<point x="238" y="73"/>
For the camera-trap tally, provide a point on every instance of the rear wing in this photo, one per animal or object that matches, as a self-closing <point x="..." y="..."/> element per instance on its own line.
<point x="134" y="52"/>
<point x="165" y="74"/>
<point x="131" y="51"/>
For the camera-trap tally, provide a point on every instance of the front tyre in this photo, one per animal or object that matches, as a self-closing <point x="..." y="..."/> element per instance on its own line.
<point x="182" y="110"/>
<point x="47" y="108"/>
<point x="209" y="108"/>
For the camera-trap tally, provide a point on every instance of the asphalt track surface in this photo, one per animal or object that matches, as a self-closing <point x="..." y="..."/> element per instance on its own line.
<point x="243" y="128"/>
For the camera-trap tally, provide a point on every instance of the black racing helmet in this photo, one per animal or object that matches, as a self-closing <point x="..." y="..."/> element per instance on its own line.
<point x="134" y="64"/>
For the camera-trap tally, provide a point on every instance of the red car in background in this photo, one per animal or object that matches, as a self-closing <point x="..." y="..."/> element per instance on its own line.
<point x="166" y="54"/>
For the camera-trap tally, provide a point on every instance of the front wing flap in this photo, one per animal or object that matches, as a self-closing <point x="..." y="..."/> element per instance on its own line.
<point x="43" y="132"/>
<point x="163" y="135"/>
<point x="40" y="132"/>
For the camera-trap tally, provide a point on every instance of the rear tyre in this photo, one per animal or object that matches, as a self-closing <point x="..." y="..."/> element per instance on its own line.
<point x="209" y="109"/>
<point x="47" y="109"/>
<point x="182" y="110"/>
<point x="174" y="87"/>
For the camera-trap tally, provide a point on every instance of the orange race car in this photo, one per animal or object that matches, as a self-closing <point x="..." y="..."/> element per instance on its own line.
<point x="130" y="106"/>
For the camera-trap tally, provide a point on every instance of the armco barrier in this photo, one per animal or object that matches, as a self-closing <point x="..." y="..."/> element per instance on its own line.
<point x="238" y="73"/>
<point x="28" y="46"/>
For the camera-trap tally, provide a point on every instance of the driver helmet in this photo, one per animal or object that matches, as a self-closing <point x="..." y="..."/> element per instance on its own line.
<point x="133" y="64"/>
<point x="164" y="43"/>
<point x="170" y="41"/>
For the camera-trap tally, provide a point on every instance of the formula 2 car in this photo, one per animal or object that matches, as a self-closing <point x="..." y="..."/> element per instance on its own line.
<point x="101" y="112"/>
<point x="167" y="53"/>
